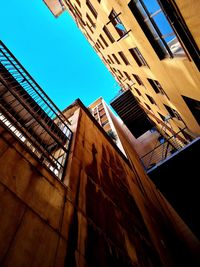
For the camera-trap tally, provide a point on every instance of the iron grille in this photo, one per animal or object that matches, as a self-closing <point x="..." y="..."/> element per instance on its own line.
<point x="27" y="111"/>
<point x="164" y="150"/>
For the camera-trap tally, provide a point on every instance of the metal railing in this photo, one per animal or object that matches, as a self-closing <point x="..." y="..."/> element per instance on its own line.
<point x="163" y="150"/>
<point x="27" y="111"/>
<point x="119" y="93"/>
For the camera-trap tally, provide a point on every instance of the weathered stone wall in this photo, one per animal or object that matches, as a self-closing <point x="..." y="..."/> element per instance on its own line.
<point x="101" y="215"/>
<point x="33" y="210"/>
<point x="118" y="219"/>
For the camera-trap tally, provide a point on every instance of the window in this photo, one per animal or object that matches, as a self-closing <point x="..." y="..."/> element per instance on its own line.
<point x="156" y="28"/>
<point x="137" y="98"/>
<point x="162" y="117"/>
<point x="138" y="92"/>
<point x="170" y="111"/>
<point x="108" y="34"/>
<point x="78" y="2"/>
<point x="120" y="73"/>
<point x="128" y="87"/>
<point x="156" y="86"/>
<point x="100" y="106"/>
<point x="187" y="136"/>
<point x="91" y="8"/>
<point x="102" y="115"/>
<point x="173" y="113"/>
<point x="127" y="76"/>
<point x="77" y="12"/>
<point x="116" y="22"/>
<point x="90" y="28"/>
<point x="152" y="101"/>
<point x="110" y="59"/>
<point x="89" y="37"/>
<point x="104" y="123"/>
<point x="194" y="106"/>
<point x="123" y="58"/>
<point x="137" y="78"/>
<point x="116" y="59"/>
<point x="147" y="106"/>
<point x="90" y="20"/>
<point x="105" y="61"/>
<point x="78" y="16"/>
<point x="97" y="44"/>
<point x="135" y="52"/>
<point x="103" y="40"/>
<point x="100" y="44"/>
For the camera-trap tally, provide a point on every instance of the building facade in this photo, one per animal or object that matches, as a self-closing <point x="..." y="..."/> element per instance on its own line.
<point x="152" y="49"/>
<point x="145" y="140"/>
<point x="101" y="112"/>
<point x="69" y="196"/>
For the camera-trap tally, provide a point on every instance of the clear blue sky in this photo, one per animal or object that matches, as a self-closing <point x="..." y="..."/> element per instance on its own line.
<point x="55" y="53"/>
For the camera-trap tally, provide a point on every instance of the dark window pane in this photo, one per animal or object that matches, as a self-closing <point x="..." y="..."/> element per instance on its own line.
<point x="117" y="23"/>
<point x="123" y="58"/>
<point x="108" y="34"/>
<point x="152" y="5"/>
<point x="156" y="27"/>
<point x="91" y="8"/>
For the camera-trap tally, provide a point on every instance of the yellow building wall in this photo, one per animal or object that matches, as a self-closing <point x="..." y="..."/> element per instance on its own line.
<point x="190" y="13"/>
<point x="178" y="76"/>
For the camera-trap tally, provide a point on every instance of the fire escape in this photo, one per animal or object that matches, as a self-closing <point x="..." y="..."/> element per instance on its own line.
<point x="28" y="113"/>
<point x="137" y="121"/>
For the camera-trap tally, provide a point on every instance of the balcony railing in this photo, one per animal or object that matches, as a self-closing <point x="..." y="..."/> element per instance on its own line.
<point x="31" y="116"/>
<point x="164" y="150"/>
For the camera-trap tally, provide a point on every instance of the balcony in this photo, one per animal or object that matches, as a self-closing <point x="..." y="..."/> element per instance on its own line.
<point x="27" y="112"/>
<point x="128" y="109"/>
<point x="165" y="149"/>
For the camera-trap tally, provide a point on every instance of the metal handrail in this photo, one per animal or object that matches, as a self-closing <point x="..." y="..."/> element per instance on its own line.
<point x="162" y="151"/>
<point x="8" y="57"/>
<point x="28" y="112"/>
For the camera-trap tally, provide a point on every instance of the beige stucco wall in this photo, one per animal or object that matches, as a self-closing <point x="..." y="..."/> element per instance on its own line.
<point x="190" y="13"/>
<point x="178" y="76"/>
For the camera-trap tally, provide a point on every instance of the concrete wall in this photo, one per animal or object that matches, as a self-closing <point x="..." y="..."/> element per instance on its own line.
<point x="103" y="214"/>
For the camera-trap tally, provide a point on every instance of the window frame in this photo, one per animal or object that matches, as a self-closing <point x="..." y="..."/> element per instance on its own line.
<point x="137" y="78"/>
<point x="91" y="8"/>
<point x="153" y="31"/>
<point x="124" y="58"/>
<point x="115" y="20"/>
<point x="108" y="34"/>
<point x="151" y="99"/>
<point x="137" y="55"/>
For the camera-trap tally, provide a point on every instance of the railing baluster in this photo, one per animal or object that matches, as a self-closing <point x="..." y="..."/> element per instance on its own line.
<point x="30" y="115"/>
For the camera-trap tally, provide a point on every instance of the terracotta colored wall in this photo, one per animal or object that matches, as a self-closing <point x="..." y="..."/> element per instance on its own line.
<point x="107" y="216"/>
<point x="33" y="210"/>
<point x="119" y="221"/>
